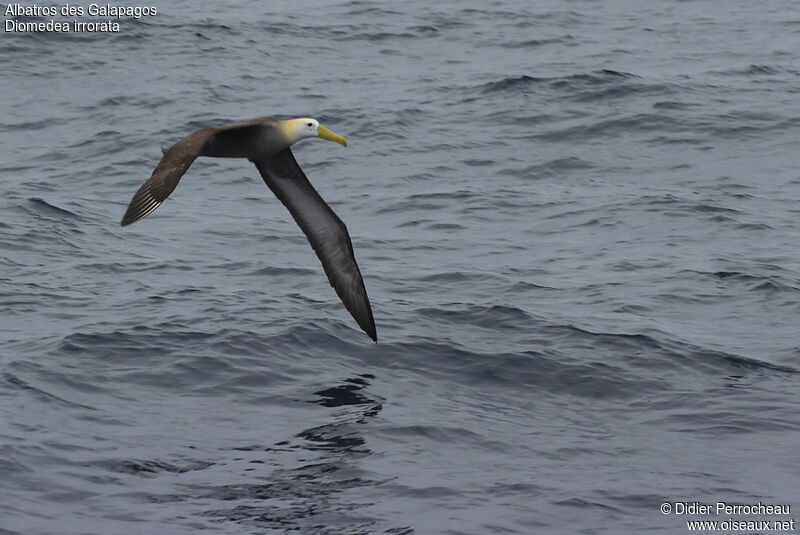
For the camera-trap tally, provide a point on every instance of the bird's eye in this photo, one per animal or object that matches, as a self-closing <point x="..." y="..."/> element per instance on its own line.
<point x="310" y="124"/>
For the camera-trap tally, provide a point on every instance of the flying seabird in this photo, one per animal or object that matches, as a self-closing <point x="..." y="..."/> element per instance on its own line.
<point x="265" y="142"/>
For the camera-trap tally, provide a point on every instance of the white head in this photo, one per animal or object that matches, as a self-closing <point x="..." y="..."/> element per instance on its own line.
<point x="303" y="127"/>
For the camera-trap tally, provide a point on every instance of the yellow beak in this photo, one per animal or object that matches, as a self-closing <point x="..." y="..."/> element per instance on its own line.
<point x="327" y="134"/>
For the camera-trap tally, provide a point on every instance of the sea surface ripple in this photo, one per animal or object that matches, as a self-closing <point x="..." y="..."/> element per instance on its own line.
<point x="577" y="223"/>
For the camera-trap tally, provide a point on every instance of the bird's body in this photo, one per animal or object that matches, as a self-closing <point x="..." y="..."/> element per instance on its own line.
<point x="265" y="142"/>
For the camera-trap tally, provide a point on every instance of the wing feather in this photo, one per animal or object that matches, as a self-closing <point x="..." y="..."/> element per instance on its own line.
<point x="323" y="228"/>
<point x="166" y="176"/>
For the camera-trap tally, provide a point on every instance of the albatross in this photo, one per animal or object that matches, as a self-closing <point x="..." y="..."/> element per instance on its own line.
<point x="265" y="142"/>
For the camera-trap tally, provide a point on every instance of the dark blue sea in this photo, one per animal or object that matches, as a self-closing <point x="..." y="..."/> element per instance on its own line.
<point x="577" y="223"/>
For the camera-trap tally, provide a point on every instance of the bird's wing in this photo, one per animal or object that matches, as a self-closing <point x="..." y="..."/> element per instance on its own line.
<point x="323" y="228"/>
<point x="238" y="140"/>
<point x="166" y="175"/>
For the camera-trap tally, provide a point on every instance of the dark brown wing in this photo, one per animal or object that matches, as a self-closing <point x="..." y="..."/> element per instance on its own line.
<point x="238" y="140"/>
<point x="166" y="175"/>
<point x="323" y="228"/>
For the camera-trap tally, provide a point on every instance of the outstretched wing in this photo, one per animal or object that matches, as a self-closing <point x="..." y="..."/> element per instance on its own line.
<point x="238" y="140"/>
<point x="166" y="175"/>
<point x="323" y="228"/>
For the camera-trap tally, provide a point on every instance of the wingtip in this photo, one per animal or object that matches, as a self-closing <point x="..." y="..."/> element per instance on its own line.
<point x="368" y="328"/>
<point x="127" y="219"/>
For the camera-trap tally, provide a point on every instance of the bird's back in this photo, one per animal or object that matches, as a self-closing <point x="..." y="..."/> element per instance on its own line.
<point x="249" y="139"/>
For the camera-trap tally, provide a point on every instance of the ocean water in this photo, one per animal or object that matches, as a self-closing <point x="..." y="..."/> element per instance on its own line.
<point x="577" y="223"/>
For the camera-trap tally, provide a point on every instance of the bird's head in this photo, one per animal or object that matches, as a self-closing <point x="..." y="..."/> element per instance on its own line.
<point x="297" y="129"/>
